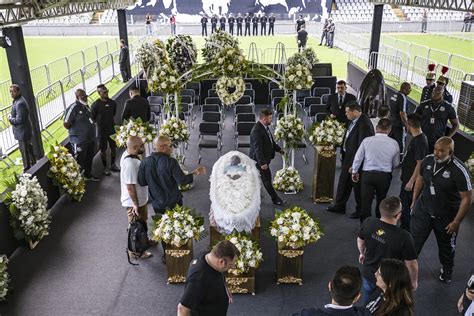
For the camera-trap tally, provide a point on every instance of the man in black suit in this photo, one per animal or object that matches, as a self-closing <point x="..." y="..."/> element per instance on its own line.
<point x="263" y="24"/>
<point x="222" y="21"/>
<point x="124" y="62"/>
<point x="239" y="24"/>
<point x="136" y="107"/>
<point x="213" y="23"/>
<point x="336" y="106"/>
<point x="359" y="128"/>
<point x="262" y="150"/>
<point x="204" y="25"/>
<point x="231" y="24"/>
<point x="271" y="21"/>
<point x="255" y="20"/>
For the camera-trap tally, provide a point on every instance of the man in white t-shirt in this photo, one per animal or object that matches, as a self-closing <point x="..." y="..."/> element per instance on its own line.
<point x="134" y="197"/>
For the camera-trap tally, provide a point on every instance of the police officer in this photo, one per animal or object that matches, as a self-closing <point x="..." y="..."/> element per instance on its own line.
<point x="204" y="25"/>
<point x="222" y="21"/>
<point x="430" y="84"/>
<point x="255" y="20"/>
<point x="398" y="114"/>
<point x="231" y="24"/>
<point x="443" y="82"/>
<point x="441" y="200"/>
<point x="299" y="23"/>
<point x="271" y="21"/>
<point x="263" y="24"/>
<point x="324" y="35"/>
<point x="247" y="24"/>
<point x="239" y="24"/>
<point x="435" y="114"/>
<point x="213" y="24"/>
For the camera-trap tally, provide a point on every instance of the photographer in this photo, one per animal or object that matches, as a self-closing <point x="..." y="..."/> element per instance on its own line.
<point x="466" y="301"/>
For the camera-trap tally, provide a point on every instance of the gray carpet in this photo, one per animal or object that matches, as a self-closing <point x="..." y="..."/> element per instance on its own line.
<point x="81" y="267"/>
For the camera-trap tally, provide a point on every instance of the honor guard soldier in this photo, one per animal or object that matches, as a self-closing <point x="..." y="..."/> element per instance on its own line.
<point x="430" y="84"/>
<point x="441" y="200"/>
<point x="271" y="21"/>
<point x="443" y="82"/>
<point x="239" y="24"/>
<point x="435" y="114"/>
<point x="204" y="25"/>
<point x="222" y="21"/>
<point x="213" y="23"/>
<point x="299" y="23"/>
<point x="263" y="24"/>
<point x="231" y="24"/>
<point x="255" y="20"/>
<point x="247" y="20"/>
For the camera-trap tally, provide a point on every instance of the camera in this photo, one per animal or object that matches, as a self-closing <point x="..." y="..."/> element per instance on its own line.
<point x="470" y="283"/>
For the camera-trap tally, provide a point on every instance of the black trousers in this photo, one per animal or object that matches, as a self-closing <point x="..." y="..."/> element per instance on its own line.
<point x="84" y="154"/>
<point x="239" y="29"/>
<point x="301" y="46"/>
<point x="271" y="29"/>
<point x="255" y="30"/>
<point x="222" y="27"/>
<point x="231" y="29"/>
<point x="263" y="29"/>
<point x="27" y="153"/>
<point x="266" y="176"/>
<point x="422" y="223"/>
<point x="126" y="73"/>
<point x="103" y="142"/>
<point x="247" y="30"/>
<point x="213" y="28"/>
<point x="406" y="198"/>
<point x="373" y="182"/>
<point x="344" y="188"/>
<point x="204" y="30"/>
<point x="397" y="134"/>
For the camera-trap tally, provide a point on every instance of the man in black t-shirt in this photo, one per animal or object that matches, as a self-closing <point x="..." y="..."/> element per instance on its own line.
<point x="398" y="115"/>
<point x="416" y="151"/>
<point x="205" y="292"/>
<point x="103" y="113"/>
<point x="441" y="200"/>
<point x="302" y="38"/>
<point x="300" y="23"/>
<point x="381" y="238"/>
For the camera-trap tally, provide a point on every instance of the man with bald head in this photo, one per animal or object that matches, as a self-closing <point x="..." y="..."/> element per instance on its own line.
<point x="134" y="197"/>
<point x="80" y="125"/>
<point x="441" y="200"/>
<point x="435" y="114"/>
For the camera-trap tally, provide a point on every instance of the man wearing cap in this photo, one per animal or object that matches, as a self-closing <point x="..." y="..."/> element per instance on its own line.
<point x="443" y="82"/>
<point x="430" y="83"/>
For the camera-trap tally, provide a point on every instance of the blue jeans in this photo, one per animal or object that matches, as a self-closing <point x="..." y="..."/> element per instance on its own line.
<point x="367" y="289"/>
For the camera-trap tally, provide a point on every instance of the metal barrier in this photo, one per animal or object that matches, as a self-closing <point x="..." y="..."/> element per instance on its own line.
<point x="389" y="65"/>
<point x="418" y="71"/>
<point x="53" y="105"/>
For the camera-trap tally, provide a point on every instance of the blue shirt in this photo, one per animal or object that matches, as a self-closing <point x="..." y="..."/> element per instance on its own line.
<point x="82" y="128"/>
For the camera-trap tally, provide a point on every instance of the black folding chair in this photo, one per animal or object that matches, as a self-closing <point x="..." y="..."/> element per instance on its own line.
<point x="209" y="137"/>
<point x="319" y="91"/>
<point x="212" y="93"/>
<point x="245" y="99"/>
<point x="242" y="139"/>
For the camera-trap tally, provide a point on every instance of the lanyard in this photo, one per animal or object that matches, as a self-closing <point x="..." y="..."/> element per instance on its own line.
<point x="435" y="110"/>
<point x="441" y="169"/>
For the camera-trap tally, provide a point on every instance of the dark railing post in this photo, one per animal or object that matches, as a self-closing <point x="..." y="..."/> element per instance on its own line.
<point x="375" y="37"/>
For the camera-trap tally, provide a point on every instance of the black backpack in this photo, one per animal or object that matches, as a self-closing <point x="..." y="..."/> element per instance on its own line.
<point x="137" y="238"/>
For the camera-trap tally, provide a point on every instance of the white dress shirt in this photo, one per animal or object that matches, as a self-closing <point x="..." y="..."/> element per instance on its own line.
<point x="379" y="153"/>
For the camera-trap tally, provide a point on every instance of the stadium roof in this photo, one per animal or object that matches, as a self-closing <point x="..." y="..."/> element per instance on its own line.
<point x="16" y="12"/>
<point x="456" y="5"/>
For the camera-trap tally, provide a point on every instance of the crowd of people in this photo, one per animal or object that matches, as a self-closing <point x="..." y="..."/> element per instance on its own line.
<point x="249" y="19"/>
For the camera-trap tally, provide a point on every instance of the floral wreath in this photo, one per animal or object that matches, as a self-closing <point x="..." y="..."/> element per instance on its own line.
<point x="215" y="43"/>
<point x="229" y="62"/>
<point x="290" y="129"/>
<point x="150" y="55"/>
<point x="182" y="53"/>
<point x="298" y="77"/>
<point x="4" y="278"/>
<point x="165" y="79"/>
<point x="288" y="180"/>
<point x="222" y="86"/>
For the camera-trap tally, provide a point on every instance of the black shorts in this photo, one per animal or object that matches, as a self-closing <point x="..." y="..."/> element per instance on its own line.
<point x="104" y="140"/>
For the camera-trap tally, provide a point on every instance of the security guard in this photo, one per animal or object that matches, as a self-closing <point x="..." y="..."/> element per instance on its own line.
<point x="299" y="23"/>
<point x="239" y="24"/>
<point x="441" y="200"/>
<point x="222" y="21"/>
<point x="255" y="20"/>
<point x="435" y="114"/>
<point x="271" y="21"/>
<point x="204" y="25"/>
<point x="263" y="24"/>
<point x="213" y="24"/>
<point x="443" y="82"/>
<point x="231" y="24"/>
<point x="398" y="114"/>
<point x="247" y="24"/>
<point x="430" y="84"/>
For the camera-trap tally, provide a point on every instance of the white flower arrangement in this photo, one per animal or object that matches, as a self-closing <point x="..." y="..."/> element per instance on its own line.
<point x="215" y="43"/>
<point x="66" y="172"/>
<point x="298" y="77"/>
<point x="310" y="56"/>
<point x="134" y="127"/>
<point x="470" y="165"/>
<point x="165" y="79"/>
<point x="150" y="55"/>
<point x="176" y="129"/>
<point x="4" y="278"/>
<point x="295" y="228"/>
<point x="182" y="53"/>
<point x="298" y="59"/>
<point x="329" y="132"/>
<point x="177" y="226"/>
<point x="28" y="208"/>
<point x="222" y="86"/>
<point x="230" y="62"/>
<point x="287" y="180"/>
<point x="250" y="253"/>
<point x="290" y="129"/>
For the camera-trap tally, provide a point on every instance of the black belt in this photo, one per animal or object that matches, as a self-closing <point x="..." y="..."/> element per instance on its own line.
<point x="375" y="171"/>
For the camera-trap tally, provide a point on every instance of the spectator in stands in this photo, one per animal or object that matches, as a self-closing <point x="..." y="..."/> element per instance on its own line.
<point x="148" y="24"/>
<point x="240" y="20"/>
<point x="103" y="113"/>
<point x="300" y="22"/>
<point x="336" y="106"/>
<point x="247" y="20"/>
<point x="394" y="294"/>
<point x="324" y="35"/>
<point x="231" y="21"/>
<point x="382" y="112"/>
<point x="466" y="301"/>
<point x="136" y="106"/>
<point x="441" y="200"/>
<point x="173" y="24"/>
<point x="398" y="114"/>
<point x="417" y="150"/>
<point x="263" y="24"/>
<point x="213" y="24"/>
<point x="302" y="38"/>
<point x="204" y="25"/>
<point x="78" y="121"/>
<point x="382" y="238"/>
<point x="345" y="292"/>
<point x="255" y="20"/>
<point x="222" y="21"/>
<point x="331" y="30"/>
<point x="124" y="62"/>
<point x="435" y="114"/>
<point x="424" y="21"/>
<point x="21" y="127"/>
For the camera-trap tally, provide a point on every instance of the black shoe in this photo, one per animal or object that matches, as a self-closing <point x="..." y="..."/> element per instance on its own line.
<point x="445" y="275"/>
<point x="278" y="201"/>
<point x="92" y="178"/>
<point x="355" y="215"/>
<point x="114" y="168"/>
<point x="333" y="209"/>
<point x="107" y="172"/>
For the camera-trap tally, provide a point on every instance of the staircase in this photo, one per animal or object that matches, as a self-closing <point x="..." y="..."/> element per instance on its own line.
<point x="399" y="12"/>
<point x="96" y="17"/>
